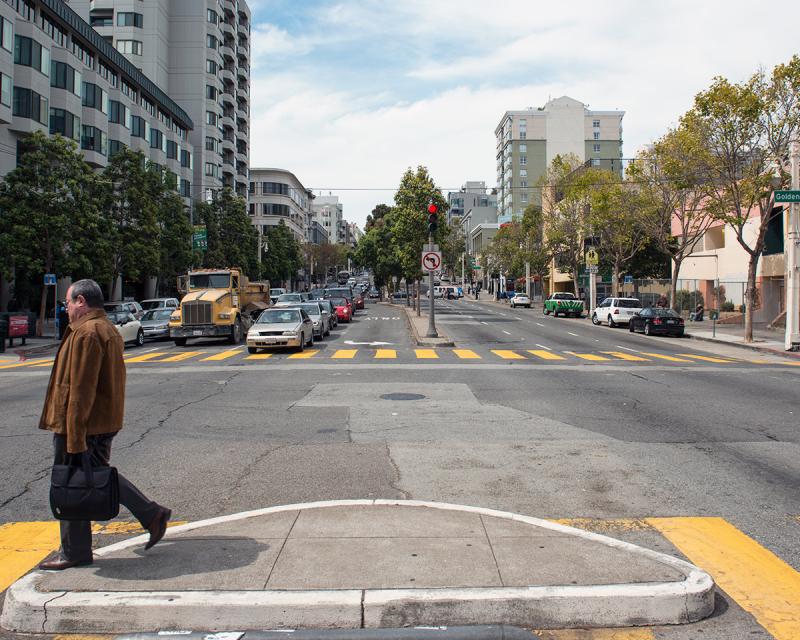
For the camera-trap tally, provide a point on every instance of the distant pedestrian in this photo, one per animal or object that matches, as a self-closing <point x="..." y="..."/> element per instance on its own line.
<point x="63" y="319"/>
<point x="84" y="408"/>
<point x="662" y="302"/>
<point x="697" y="314"/>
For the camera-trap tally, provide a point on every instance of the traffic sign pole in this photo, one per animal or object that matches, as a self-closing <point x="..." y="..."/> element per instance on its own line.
<point x="792" y="331"/>
<point x="432" y="333"/>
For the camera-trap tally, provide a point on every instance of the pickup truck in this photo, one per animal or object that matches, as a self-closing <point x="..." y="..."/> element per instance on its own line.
<point x="565" y="303"/>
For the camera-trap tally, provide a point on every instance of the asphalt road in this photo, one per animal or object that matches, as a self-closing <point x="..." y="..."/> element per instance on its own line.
<point x="555" y="437"/>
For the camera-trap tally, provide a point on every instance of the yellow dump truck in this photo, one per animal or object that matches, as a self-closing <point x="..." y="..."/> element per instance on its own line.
<point x="217" y="303"/>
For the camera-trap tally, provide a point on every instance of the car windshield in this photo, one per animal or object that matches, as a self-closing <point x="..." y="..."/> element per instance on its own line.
<point x="312" y="309"/>
<point x="157" y="314"/>
<point x="665" y="313"/>
<point x="153" y="304"/>
<point x="117" y="316"/>
<point x="279" y="316"/>
<point x="209" y="281"/>
<point x="289" y="297"/>
<point x="629" y="304"/>
<point x="338" y="302"/>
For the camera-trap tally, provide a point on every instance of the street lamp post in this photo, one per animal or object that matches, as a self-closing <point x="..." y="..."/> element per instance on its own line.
<point x="716" y="287"/>
<point x="792" y="332"/>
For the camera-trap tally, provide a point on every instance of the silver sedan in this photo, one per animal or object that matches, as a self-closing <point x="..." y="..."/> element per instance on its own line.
<point x="281" y="327"/>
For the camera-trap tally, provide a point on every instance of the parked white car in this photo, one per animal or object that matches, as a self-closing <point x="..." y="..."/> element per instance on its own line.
<point x="520" y="300"/>
<point x="129" y="327"/>
<point x="616" y="311"/>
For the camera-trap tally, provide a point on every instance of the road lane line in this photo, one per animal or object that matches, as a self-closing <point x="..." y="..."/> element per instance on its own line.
<point x="619" y="346"/>
<point x="182" y="356"/>
<point x="426" y="354"/>
<point x="259" y="356"/>
<point x="303" y="355"/>
<point x="483" y="322"/>
<point x="546" y="355"/>
<point x="466" y="354"/>
<point x="507" y="355"/>
<point x="573" y="334"/>
<point x="27" y="363"/>
<point x="540" y="324"/>
<point x="223" y="355"/>
<point x="661" y="356"/>
<point x="23" y="545"/>
<point x="541" y="346"/>
<point x="588" y="356"/>
<point x="385" y="354"/>
<point x="147" y="356"/>
<point x="506" y="332"/>
<point x="758" y="580"/>
<point x="49" y="363"/>
<point x="705" y="358"/>
<point x="626" y="356"/>
<point x="344" y="354"/>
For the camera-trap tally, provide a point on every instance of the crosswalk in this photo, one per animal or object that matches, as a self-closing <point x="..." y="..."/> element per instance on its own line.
<point x="422" y="355"/>
<point x="758" y="580"/>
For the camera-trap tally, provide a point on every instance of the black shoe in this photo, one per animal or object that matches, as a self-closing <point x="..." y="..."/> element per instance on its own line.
<point x="158" y="527"/>
<point x="59" y="564"/>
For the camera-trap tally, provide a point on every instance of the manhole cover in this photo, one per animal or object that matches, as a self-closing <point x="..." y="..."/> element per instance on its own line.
<point x="402" y="396"/>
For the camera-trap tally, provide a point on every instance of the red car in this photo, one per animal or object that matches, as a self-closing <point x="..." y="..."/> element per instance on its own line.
<point x="358" y="300"/>
<point x="344" y="312"/>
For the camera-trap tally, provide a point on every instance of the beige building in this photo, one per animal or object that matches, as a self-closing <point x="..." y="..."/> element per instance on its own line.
<point x="529" y="140"/>
<point x="278" y="195"/>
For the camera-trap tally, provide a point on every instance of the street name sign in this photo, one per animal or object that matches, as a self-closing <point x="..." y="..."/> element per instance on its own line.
<point x="431" y="260"/>
<point x="49" y="279"/>
<point x="200" y="238"/>
<point x="787" y="196"/>
<point x="592" y="268"/>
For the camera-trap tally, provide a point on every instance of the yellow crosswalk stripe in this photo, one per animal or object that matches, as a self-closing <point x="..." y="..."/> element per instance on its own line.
<point x="26" y="363"/>
<point x="182" y="356"/>
<point x="466" y="354"/>
<point x="259" y="356"/>
<point x="147" y="356"/>
<point x="544" y="354"/>
<point x="223" y="355"/>
<point x="638" y="633"/>
<point x="22" y="546"/>
<point x="48" y="363"/>
<point x="705" y="358"/>
<point x="588" y="356"/>
<point x="625" y="356"/>
<point x="661" y="356"/>
<point x="385" y="354"/>
<point x="344" y="354"/>
<point x="426" y="354"/>
<point x="304" y="355"/>
<point x="758" y="580"/>
<point x="791" y="364"/>
<point x="507" y="355"/>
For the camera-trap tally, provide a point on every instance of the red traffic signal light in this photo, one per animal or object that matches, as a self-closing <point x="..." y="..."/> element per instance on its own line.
<point x="432" y="208"/>
<point x="432" y="219"/>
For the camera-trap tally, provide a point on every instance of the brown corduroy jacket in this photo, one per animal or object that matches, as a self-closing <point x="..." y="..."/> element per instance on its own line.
<point x="86" y="393"/>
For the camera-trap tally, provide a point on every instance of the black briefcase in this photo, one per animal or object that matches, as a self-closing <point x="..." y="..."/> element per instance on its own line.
<point x="84" y="492"/>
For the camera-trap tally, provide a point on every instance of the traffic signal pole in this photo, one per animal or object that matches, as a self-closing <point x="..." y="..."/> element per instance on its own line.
<point x="432" y="333"/>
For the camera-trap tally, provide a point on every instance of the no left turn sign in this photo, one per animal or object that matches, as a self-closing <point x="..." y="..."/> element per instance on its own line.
<point x="431" y="260"/>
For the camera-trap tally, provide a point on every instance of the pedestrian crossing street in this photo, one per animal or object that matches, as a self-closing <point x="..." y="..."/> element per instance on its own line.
<point x="758" y="580"/>
<point x="447" y="355"/>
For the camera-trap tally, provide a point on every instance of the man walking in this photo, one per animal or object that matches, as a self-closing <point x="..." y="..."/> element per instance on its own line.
<point x="84" y="408"/>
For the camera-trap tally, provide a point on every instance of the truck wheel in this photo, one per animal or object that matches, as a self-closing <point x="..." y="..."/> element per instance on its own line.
<point x="546" y="311"/>
<point x="236" y="332"/>
<point x="180" y="342"/>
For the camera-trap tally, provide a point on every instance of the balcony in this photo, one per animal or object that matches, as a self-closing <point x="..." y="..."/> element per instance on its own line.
<point x="227" y="53"/>
<point x="227" y="28"/>
<point x="226" y="73"/>
<point x="241" y="114"/>
<point x="242" y="52"/>
<point x="242" y="93"/>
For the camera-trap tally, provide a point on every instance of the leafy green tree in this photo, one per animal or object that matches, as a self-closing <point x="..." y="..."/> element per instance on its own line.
<point x="174" y="240"/>
<point x="521" y="242"/>
<point x="746" y="128"/>
<point x="378" y="213"/>
<point x="232" y="239"/>
<point x="376" y="250"/>
<point x="283" y="256"/>
<point x="49" y="218"/>
<point x="131" y="205"/>
<point x="453" y="247"/>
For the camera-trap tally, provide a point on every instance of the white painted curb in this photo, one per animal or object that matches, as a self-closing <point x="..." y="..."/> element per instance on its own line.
<point x="691" y="599"/>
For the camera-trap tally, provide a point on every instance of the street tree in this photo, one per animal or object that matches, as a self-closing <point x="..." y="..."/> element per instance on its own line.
<point x="232" y="239"/>
<point x="453" y="246"/>
<point x="49" y="218"/>
<point x="283" y="257"/>
<point x="174" y="238"/>
<point x="521" y="242"/>
<point x="746" y="128"/>
<point x="378" y="213"/>
<point x="674" y="188"/>
<point x="375" y="249"/>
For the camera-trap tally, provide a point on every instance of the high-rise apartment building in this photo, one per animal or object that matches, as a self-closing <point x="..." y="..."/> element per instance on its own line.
<point x="472" y="194"/>
<point x="329" y="212"/>
<point x="198" y="52"/>
<point x="278" y="195"/>
<point x="529" y="140"/>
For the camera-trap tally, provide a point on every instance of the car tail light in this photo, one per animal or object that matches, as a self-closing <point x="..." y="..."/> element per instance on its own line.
<point x="657" y="321"/>
<point x="616" y="312"/>
<point x="680" y="321"/>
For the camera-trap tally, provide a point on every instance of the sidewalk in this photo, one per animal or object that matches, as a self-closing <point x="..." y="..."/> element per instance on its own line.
<point x="33" y="348"/>
<point x="363" y="564"/>
<point x="418" y="325"/>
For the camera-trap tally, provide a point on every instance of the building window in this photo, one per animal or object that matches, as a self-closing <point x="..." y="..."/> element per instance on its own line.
<point x="523" y="160"/>
<point x="129" y="19"/>
<point x="596" y="148"/>
<point x="157" y="140"/>
<point x="271" y="209"/>
<point x="595" y="162"/>
<point x="212" y="67"/>
<point x="93" y="139"/>
<point x="132" y="47"/>
<point x="63" y="122"/>
<point x="523" y="185"/>
<point x="29" y="104"/>
<point x="212" y="118"/>
<point x="118" y="113"/>
<point x="523" y="148"/>
<point x="101" y="17"/>
<point x="6" y="90"/>
<point x="186" y="188"/>
<point x="138" y="127"/>
<point x="212" y="16"/>
<point x="211" y="169"/>
<point x="278" y="188"/>
<point x="186" y="159"/>
<point x="596" y="135"/>
<point x="6" y="35"/>
<point x="212" y="144"/>
<point x="211" y="92"/>
<point x="62" y="76"/>
<point x="523" y="173"/>
<point x="595" y="124"/>
<point x="523" y="135"/>
<point x="172" y="150"/>
<point x="95" y="97"/>
<point x="30" y="53"/>
<point x="114" y="147"/>
<point x="211" y="41"/>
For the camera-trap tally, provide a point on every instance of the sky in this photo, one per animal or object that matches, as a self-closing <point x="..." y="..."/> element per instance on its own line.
<point x="349" y="94"/>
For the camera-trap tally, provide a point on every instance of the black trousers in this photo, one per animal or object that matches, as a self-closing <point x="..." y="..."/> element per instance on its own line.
<point x="76" y="536"/>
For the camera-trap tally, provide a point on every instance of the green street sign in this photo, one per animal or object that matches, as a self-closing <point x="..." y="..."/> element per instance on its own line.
<point x="787" y="196"/>
<point x="200" y="238"/>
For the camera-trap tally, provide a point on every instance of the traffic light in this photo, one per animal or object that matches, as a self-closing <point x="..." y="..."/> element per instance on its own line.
<point x="432" y="218"/>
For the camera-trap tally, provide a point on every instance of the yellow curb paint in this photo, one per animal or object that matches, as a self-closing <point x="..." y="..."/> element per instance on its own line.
<point x="23" y="545"/>
<point x="466" y="354"/>
<point x="222" y="355"/>
<point x="661" y="356"/>
<point x="588" y="356"/>
<point x="638" y="633"/>
<point x="27" y="363"/>
<point x="146" y="357"/>
<point x="791" y="364"/>
<point x="82" y="636"/>
<point x="507" y="355"/>
<point x="625" y="356"/>
<point x="758" y="580"/>
<point x="344" y="354"/>
<point x="259" y="356"/>
<point x="426" y="354"/>
<point x="304" y="355"/>
<point x="118" y="528"/>
<point x="546" y="355"/>
<point x="705" y="358"/>
<point x="182" y="356"/>
<point x="385" y="354"/>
